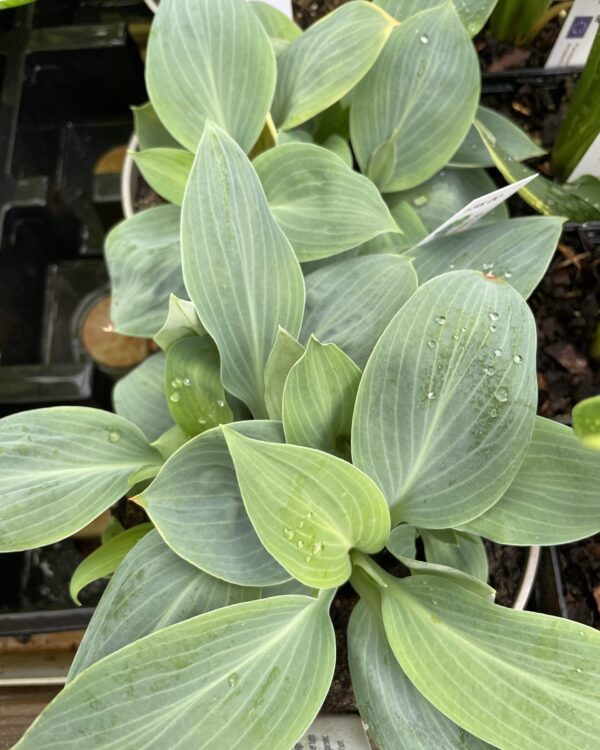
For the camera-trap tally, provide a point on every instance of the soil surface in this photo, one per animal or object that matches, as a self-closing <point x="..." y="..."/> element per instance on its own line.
<point x="306" y="12"/>
<point x="580" y="567"/>
<point x="496" y="57"/>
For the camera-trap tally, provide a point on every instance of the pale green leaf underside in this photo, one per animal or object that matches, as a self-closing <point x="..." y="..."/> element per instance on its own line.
<point x="182" y="321"/>
<point x="285" y="353"/>
<point x="466" y="553"/>
<point x="516" y="679"/>
<point x="238" y="677"/>
<point x="196" y="505"/>
<point x="240" y="270"/>
<point x="586" y="421"/>
<point x="398" y="716"/>
<point x="555" y="496"/>
<point x="473" y="13"/>
<point x="104" y="560"/>
<point x="350" y="302"/>
<point x="322" y="65"/>
<point x="212" y="61"/>
<point x="515" y="142"/>
<point x="166" y="170"/>
<point x="60" y="467"/>
<point x="309" y="508"/>
<point x="446" y="405"/>
<point x="322" y="205"/>
<point x="143" y="258"/>
<point x="404" y="127"/>
<point x="140" y="397"/>
<point x="446" y="193"/>
<point x="152" y="589"/>
<point x="318" y="399"/>
<point x="150" y="131"/>
<point x="518" y="250"/>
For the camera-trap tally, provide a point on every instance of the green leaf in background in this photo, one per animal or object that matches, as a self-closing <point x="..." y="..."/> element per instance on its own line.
<point x="210" y="61"/>
<point x="398" y="716"/>
<point x="413" y="230"/>
<point x="518" y="250"/>
<point x="403" y="125"/>
<point x="442" y="196"/>
<point x="447" y="401"/>
<point x="514" y="20"/>
<point x="516" y="679"/>
<point x="196" y="505"/>
<point x="280" y="29"/>
<point x="5" y="4"/>
<point x="322" y="206"/>
<point x="166" y="170"/>
<point x="170" y="441"/>
<point x="320" y="67"/>
<point x="586" y="422"/>
<point x="182" y="321"/>
<point x="318" y="399"/>
<point x="553" y="499"/>
<point x="151" y="589"/>
<point x="341" y="148"/>
<point x="545" y="196"/>
<point x="198" y="677"/>
<point x="61" y="467"/>
<point x="144" y="263"/>
<point x="239" y="268"/>
<point x="473" y="13"/>
<point x="196" y="397"/>
<point x="150" y="131"/>
<point x="467" y="552"/>
<point x="140" y="397"/>
<point x="514" y="141"/>
<point x="103" y="561"/>
<point x="284" y="355"/>
<point x="309" y="508"/>
<point x="351" y="302"/>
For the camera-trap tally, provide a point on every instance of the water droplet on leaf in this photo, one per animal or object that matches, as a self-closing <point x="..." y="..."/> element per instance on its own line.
<point x="441" y="320"/>
<point x="517" y="359"/>
<point x="424" y="39"/>
<point x="501" y="394"/>
<point x="494" y="316"/>
<point x="174" y="397"/>
<point x="233" y="679"/>
<point x="114" y="436"/>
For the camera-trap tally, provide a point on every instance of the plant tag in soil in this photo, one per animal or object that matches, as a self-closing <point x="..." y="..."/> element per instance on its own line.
<point x="284" y="6"/>
<point x="335" y="732"/>
<point x="476" y="210"/>
<point x="572" y="48"/>
<point x="590" y="162"/>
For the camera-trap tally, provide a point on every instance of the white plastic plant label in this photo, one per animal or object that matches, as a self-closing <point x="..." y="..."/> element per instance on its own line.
<point x="572" y="48"/>
<point x="475" y="210"/>
<point x="284" y="6"/>
<point x="590" y="162"/>
<point x="335" y="732"/>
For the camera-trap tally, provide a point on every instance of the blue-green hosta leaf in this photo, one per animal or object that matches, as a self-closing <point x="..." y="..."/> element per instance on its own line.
<point x="240" y="270"/>
<point x="196" y="505"/>
<point x="466" y="552"/>
<point x="555" y="496"/>
<point x="442" y="196"/>
<point x="284" y="355"/>
<point x="586" y="422"/>
<point x="61" y="467"/>
<point x="403" y="541"/>
<point x="518" y="250"/>
<point x="144" y="262"/>
<point x="210" y="61"/>
<point x="196" y="397"/>
<point x="413" y="231"/>
<point x="150" y="131"/>
<point x="515" y="679"/>
<point x="166" y="170"/>
<point x="322" y="205"/>
<point x="446" y="404"/>
<point x="398" y="716"/>
<point x="473" y="13"/>
<point x="318" y="399"/>
<point x="104" y="560"/>
<point x="515" y="142"/>
<point x="309" y="508"/>
<point x="320" y="67"/>
<point x="182" y="321"/>
<point x="140" y="397"/>
<point x="350" y="302"/>
<point x="403" y="125"/>
<point x="271" y="661"/>
<point x="152" y="589"/>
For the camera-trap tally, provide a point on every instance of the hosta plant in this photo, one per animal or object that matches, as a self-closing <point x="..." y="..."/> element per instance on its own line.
<point x="328" y="387"/>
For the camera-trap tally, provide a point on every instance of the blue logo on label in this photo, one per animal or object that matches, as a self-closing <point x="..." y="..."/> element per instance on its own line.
<point x="579" y="27"/>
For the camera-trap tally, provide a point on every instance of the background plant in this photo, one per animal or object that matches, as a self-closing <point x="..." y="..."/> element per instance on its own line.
<point x="327" y="387"/>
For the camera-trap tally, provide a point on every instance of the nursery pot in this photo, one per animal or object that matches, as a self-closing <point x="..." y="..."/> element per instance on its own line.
<point x="152" y="4"/>
<point x="129" y="176"/>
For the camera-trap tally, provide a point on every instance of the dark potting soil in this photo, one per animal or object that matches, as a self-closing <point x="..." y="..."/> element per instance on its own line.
<point x="145" y="197"/>
<point x="306" y="12"/>
<point x="580" y="568"/>
<point x="507" y="565"/>
<point x="496" y="56"/>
